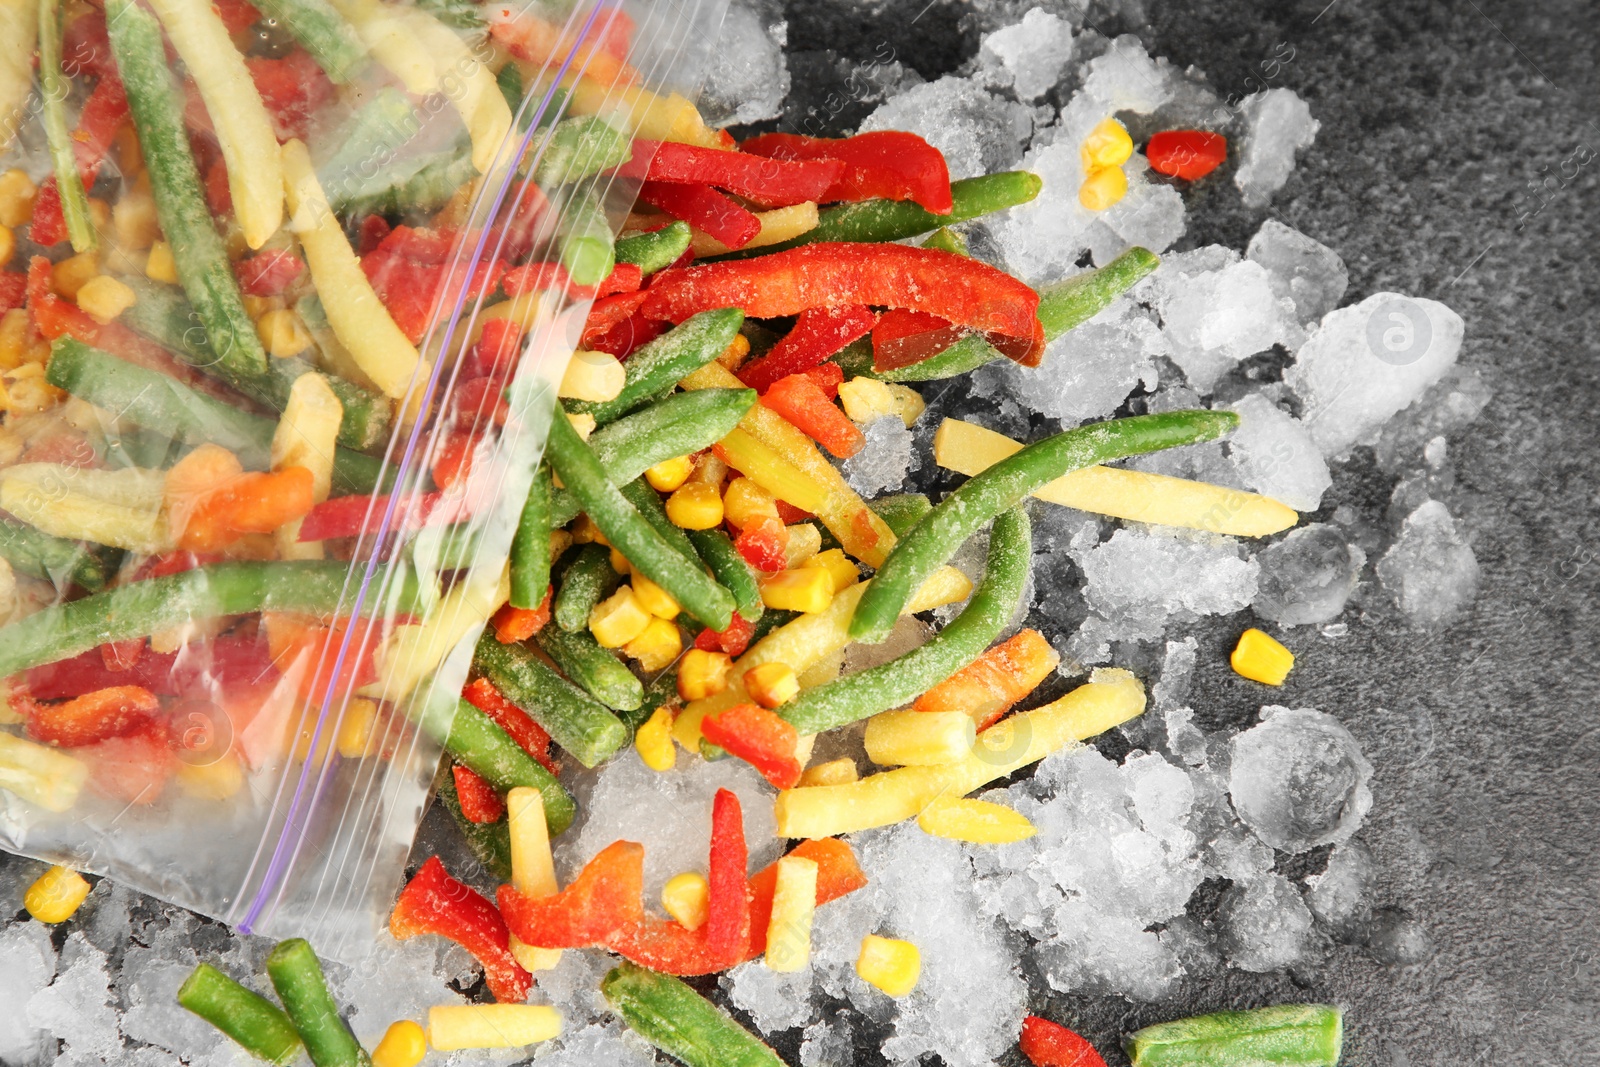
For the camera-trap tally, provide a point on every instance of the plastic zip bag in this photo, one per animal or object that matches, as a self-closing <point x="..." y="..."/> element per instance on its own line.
<point x="274" y="409"/>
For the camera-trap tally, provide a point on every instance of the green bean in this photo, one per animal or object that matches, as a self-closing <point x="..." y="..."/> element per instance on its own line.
<point x="935" y="539"/>
<point x="297" y="976"/>
<point x="770" y="620"/>
<point x="459" y="14"/>
<point x="902" y="511"/>
<point x="139" y="609"/>
<point x="947" y="240"/>
<point x="586" y="248"/>
<point x="322" y="32"/>
<point x="366" y="144"/>
<point x="575" y="720"/>
<point x="600" y="673"/>
<point x="53" y="559"/>
<point x="589" y="579"/>
<point x="662" y="690"/>
<point x="680" y="1022"/>
<point x="658" y="366"/>
<point x="257" y="1024"/>
<point x="729" y="568"/>
<point x="1288" y="1035"/>
<point x="903" y="679"/>
<point x="53" y="90"/>
<point x="163" y="314"/>
<point x="478" y="744"/>
<point x="202" y="262"/>
<point x="648" y="503"/>
<point x="673" y="426"/>
<point x="578" y="148"/>
<point x="656" y="250"/>
<point x="490" y="842"/>
<point x="530" y="546"/>
<point x="631" y="534"/>
<point x="156" y="402"/>
<point x="417" y="187"/>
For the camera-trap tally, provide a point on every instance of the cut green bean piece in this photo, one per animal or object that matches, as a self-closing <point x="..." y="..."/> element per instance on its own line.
<point x="942" y="531"/>
<point x="322" y="32"/>
<point x="944" y="239"/>
<point x="730" y="569"/>
<point x="666" y="361"/>
<point x="586" y="249"/>
<point x="367" y="143"/>
<point x="54" y="559"/>
<point x="257" y="1024"/>
<point x="478" y="744"/>
<point x="656" y="250"/>
<point x="417" y="186"/>
<point x="579" y="147"/>
<point x="490" y="842"/>
<point x="631" y="533"/>
<point x="903" y="679"/>
<point x="901" y="511"/>
<point x="574" y="720"/>
<point x="1288" y="1035"/>
<point x="586" y="581"/>
<point x="53" y="90"/>
<point x="653" y="511"/>
<point x="680" y="1022"/>
<point x="458" y="14"/>
<point x="662" y="690"/>
<point x="530" y="546"/>
<point x="601" y="674"/>
<point x="296" y="974"/>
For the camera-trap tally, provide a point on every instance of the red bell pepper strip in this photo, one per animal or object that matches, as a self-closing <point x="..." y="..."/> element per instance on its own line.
<point x="13" y="289"/>
<point x="734" y="640"/>
<point x="759" y="737"/>
<point x="624" y="278"/>
<point x="728" y="904"/>
<point x="269" y="273"/>
<point x="1186" y="154"/>
<point x="518" y="624"/>
<point x="1048" y="1044"/>
<point x="227" y="661"/>
<point x="818" y="333"/>
<point x="103" y="114"/>
<point x="903" y="337"/>
<point x="133" y="769"/>
<point x="966" y="291"/>
<point x="435" y="903"/>
<point x="612" y="311"/>
<point x="355" y="516"/>
<point x="764" y="544"/>
<point x="479" y="802"/>
<point x="607" y="896"/>
<point x="828" y="378"/>
<point x="120" y="656"/>
<point x="612" y="32"/>
<point x="255" y="502"/>
<point x="838" y="874"/>
<point x="529" y="735"/>
<point x="802" y="402"/>
<point x="773" y="182"/>
<point x="315" y="651"/>
<point x="477" y="400"/>
<point x="373" y="229"/>
<point x="412" y="274"/>
<point x="236" y="15"/>
<point x="622" y="339"/>
<point x="705" y="209"/>
<point x="67" y="447"/>
<point x="86" y="46"/>
<point x="497" y="350"/>
<point x="84" y="720"/>
<point x="544" y="44"/>
<point x="293" y="89"/>
<point x="884" y="164"/>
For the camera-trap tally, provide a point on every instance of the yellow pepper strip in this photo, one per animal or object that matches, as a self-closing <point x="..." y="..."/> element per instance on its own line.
<point x="121" y="508"/>
<point x="977" y="821"/>
<point x="307" y="434"/>
<point x="890" y="964"/>
<point x="835" y="772"/>
<point x="794" y="903"/>
<point x="415" y="650"/>
<point x="40" y="775"/>
<point x="19" y="36"/>
<point x="779" y="224"/>
<point x="359" y="319"/>
<point x="646" y="114"/>
<point x="859" y="529"/>
<point x="404" y="1044"/>
<point x="1121" y="493"/>
<point x="772" y="472"/>
<point x="458" y="1026"/>
<point x="919" y="738"/>
<point x="1111" y="696"/>
<point x="806" y="642"/>
<point x="533" y="870"/>
<point x="56" y="894"/>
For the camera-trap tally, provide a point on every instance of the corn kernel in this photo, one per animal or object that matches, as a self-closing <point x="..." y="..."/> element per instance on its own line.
<point x="257" y="306"/>
<point x="619" y="563"/>
<point x="358" y="730"/>
<point x="703" y="674"/>
<point x="73" y="273"/>
<point x="16" y="335"/>
<point x="584" y="532"/>
<point x="583" y="422"/>
<point x="1103" y="188"/>
<point x="685" y="897"/>
<point x="656" y="600"/>
<point x="890" y="964"/>
<point x="8" y="245"/>
<point x="695" y="506"/>
<point x="16" y="198"/>
<point x="135" y="222"/>
<point x="404" y="1044"/>
<point x="1108" y="145"/>
<point x="840" y="569"/>
<point x="794" y="903"/>
<point x="808" y="589"/>
<point x="99" y="214"/>
<point x="217" y="780"/>
<point x="667" y="475"/>
<point x="734" y="355"/>
<point x="977" y="821"/>
<point x="282" y="333"/>
<point x="56" y="895"/>
<point x="31" y="394"/>
<point x="772" y="684"/>
<point x="1261" y="659"/>
<point x="105" y="298"/>
<point x="593" y="376"/>
<point x="657" y="646"/>
<point x="744" y="502"/>
<point x="160" y="266"/>
<point x="654" y="741"/>
<point x="618" y="619"/>
<point x="866" y="399"/>
<point x="834" y="772"/>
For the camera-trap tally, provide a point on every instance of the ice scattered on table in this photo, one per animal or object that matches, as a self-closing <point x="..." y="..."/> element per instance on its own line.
<point x="1430" y="570"/>
<point x="601" y="1043"/>
<point x="1398" y="939"/>
<point x="1028" y="56"/>
<point x="1305" y="270"/>
<point x="750" y="77"/>
<point x="885" y="460"/>
<point x="1299" y="780"/>
<point x="1217" y="315"/>
<point x="978" y="132"/>
<point x="1449" y="406"/>
<point x="1307" y="577"/>
<point x="1277" y="125"/>
<point x="1364" y="363"/>
<point x="77" y="1006"/>
<point x="775" y="1000"/>
<point x="27" y="963"/>
<point x="1265" y="925"/>
<point x="1340" y="895"/>
<point x="1276" y="456"/>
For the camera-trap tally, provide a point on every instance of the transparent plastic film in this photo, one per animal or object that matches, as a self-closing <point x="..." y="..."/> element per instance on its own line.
<point x="283" y="327"/>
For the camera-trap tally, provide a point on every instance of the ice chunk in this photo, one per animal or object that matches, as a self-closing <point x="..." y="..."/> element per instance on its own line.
<point x="1088" y="372"/>
<point x="1276" y="456"/>
<point x="1299" y="780"/>
<point x="1162" y="796"/>
<point x="829" y="1042"/>
<point x="884" y="461"/>
<point x="1030" y="55"/>
<point x="1265" y="925"/>
<point x="1151" y="215"/>
<point x="1447" y="407"/>
<point x="775" y="1000"/>
<point x="17" y="873"/>
<point x="1098" y="953"/>
<point x="398" y="979"/>
<point x="1308" y="576"/>
<point x="1240" y="856"/>
<point x="1184" y="739"/>
<point x="1277" y="124"/>
<point x="151" y="980"/>
<point x="1214" y="318"/>
<point x="978" y="132"/>
<point x="1177" y="673"/>
<point x="1125" y="78"/>
<point x="27" y="963"/>
<point x="1430" y="570"/>
<point x="76" y="1007"/>
<point x="1138" y="579"/>
<point x="1364" y="363"/>
<point x="1339" y="895"/>
<point x="607" y="1043"/>
<point x="750" y="78"/>
<point x="1306" y="271"/>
